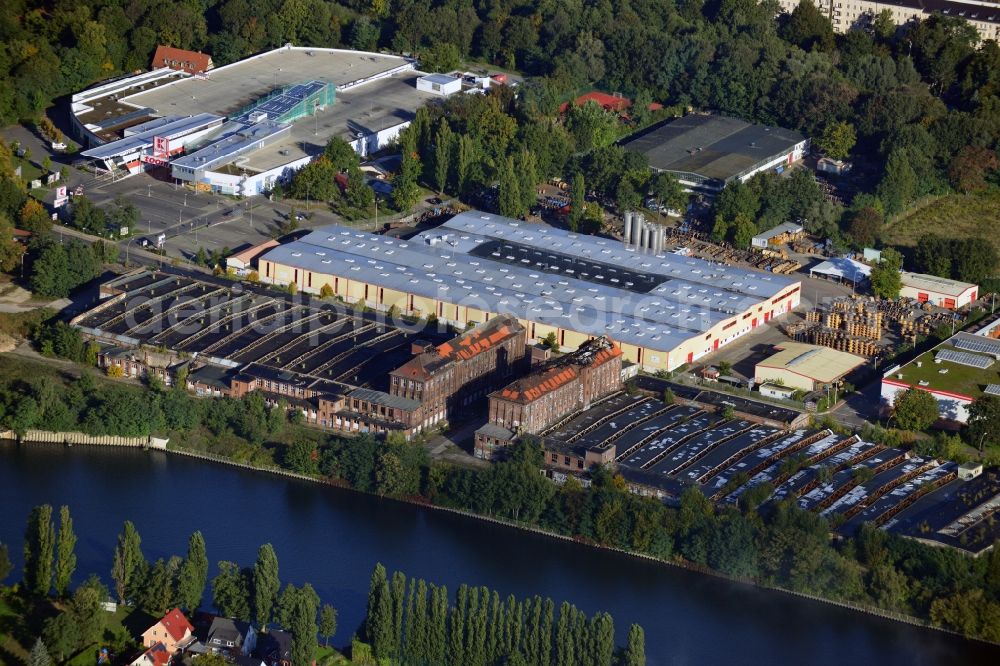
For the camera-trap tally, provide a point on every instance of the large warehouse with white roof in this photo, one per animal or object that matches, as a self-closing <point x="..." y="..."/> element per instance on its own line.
<point x="664" y="310"/>
<point x="253" y="122"/>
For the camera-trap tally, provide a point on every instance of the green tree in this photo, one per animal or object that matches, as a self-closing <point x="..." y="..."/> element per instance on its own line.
<point x="437" y="630"/>
<point x="6" y="566"/>
<point x="984" y="423"/>
<point x="266" y="585"/>
<point x="743" y="231"/>
<point x="39" y="654"/>
<point x="327" y="623"/>
<point x="668" y="191"/>
<point x="129" y="567"/>
<point x="808" y="28"/>
<point x="456" y="628"/>
<point x="443" y="144"/>
<point x="898" y="186"/>
<point x="405" y="190"/>
<point x="231" y="591"/>
<point x="39" y="550"/>
<point x="468" y="155"/>
<point x="510" y="201"/>
<point x="967" y="171"/>
<point x="527" y="174"/>
<point x="87" y="610"/>
<point x="157" y="592"/>
<point x="379" y="616"/>
<point x="837" y="140"/>
<point x="591" y="126"/>
<point x="359" y="194"/>
<point x="915" y="409"/>
<point x="885" y="278"/>
<point x="303" y="626"/>
<point x="442" y="57"/>
<point x="865" y="226"/>
<point x="193" y="574"/>
<point x="65" y="552"/>
<point x="397" y="591"/>
<point x="577" y="202"/>
<point x="635" y="648"/>
<point x="62" y="636"/>
<point x="341" y="155"/>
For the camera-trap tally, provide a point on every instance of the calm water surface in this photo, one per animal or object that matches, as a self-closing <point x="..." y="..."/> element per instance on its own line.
<point x="332" y="538"/>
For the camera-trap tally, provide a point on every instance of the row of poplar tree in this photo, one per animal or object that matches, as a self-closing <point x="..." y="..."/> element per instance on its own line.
<point x="413" y="624"/>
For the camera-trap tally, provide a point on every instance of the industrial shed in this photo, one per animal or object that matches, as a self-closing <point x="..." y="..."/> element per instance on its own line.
<point x="707" y="152"/>
<point x="807" y="367"/>
<point x="936" y="290"/>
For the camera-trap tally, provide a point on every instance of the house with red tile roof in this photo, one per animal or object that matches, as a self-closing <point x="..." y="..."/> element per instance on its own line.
<point x="610" y="103"/>
<point x="554" y="390"/>
<point x="158" y="655"/>
<point x="173" y="631"/>
<point x="192" y="62"/>
<point x="453" y="375"/>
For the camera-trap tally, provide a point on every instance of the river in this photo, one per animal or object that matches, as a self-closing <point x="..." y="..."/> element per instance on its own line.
<point x="332" y="538"/>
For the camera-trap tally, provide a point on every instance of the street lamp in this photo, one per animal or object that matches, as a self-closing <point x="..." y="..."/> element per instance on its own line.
<point x="126" y="249"/>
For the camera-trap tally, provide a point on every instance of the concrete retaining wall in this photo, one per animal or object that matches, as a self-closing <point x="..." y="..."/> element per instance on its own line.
<point x="48" y="437"/>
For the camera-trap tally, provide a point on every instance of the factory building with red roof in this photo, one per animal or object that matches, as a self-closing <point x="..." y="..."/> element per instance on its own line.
<point x="555" y="389"/>
<point x="450" y="377"/>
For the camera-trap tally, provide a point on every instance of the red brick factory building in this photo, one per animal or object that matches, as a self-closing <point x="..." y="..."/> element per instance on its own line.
<point x="556" y="388"/>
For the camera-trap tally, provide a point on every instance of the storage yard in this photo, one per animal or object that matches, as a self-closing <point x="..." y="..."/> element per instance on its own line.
<point x="662" y="449"/>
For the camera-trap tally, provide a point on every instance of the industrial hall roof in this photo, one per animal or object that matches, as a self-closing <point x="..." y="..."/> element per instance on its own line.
<point x="538" y="273"/>
<point x="821" y="364"/>
<point x="714" y="147"/>
<point x="933" y="283"/>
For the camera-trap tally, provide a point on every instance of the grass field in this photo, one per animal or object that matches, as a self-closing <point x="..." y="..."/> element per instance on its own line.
<point x="952" y="216"/>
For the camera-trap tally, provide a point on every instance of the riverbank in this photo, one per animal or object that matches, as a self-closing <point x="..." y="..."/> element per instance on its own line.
<point x="332" y="539"/>
<point x="676" y="562"/>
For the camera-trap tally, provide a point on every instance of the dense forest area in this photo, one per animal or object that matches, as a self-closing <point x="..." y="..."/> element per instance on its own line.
<point x="918" y="103"/>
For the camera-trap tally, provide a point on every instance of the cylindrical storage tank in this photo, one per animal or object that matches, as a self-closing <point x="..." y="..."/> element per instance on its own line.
<point x="643" y="236"/>
<point x="661" y="236"/>
<point x="628" y="227"/>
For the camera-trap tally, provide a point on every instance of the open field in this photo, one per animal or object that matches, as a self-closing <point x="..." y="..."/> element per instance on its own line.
<point x="952" y="216"/>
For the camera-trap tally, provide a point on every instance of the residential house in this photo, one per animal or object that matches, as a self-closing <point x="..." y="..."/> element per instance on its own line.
<point x="173" y="631"/>
<point x="154" y="656"/>
<point x="275" y="648"/>
<point x="231" y="638"/>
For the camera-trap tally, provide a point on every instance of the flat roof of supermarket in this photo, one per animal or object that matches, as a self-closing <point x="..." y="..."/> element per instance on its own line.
<point x="230" y="88"/>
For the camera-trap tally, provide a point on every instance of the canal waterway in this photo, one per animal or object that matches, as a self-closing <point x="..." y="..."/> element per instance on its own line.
<point x="332" y="538"/>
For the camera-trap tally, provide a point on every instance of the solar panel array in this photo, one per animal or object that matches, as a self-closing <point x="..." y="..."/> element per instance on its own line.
<point x="992" y="389"/>
<point x="982" y="344"/>
<point x="964" y="358"/>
